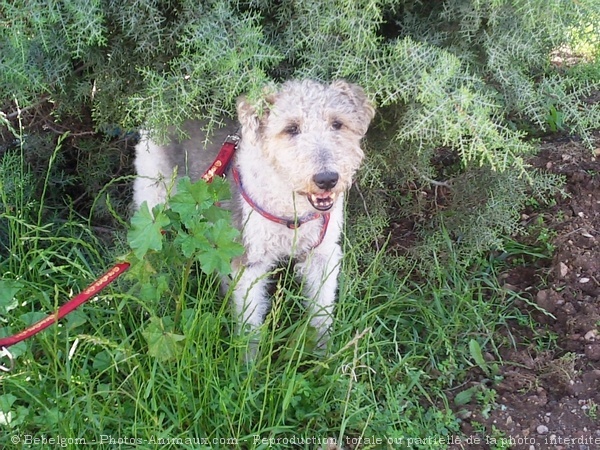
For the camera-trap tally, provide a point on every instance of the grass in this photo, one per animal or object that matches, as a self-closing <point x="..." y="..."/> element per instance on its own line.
<point x="153" y="359"/>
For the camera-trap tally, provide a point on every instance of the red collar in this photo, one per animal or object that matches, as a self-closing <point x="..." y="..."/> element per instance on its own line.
<point x="289" y="223"/>
<point x="219" y="167"/>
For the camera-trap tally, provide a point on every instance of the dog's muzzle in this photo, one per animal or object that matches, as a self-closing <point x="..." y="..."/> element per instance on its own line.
<point x="323" y="201"/>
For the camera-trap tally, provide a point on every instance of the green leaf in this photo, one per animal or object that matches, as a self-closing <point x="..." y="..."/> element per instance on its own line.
<point x="146" y="230"/>
<point x="216" y="213"/>
<point x="105" y="359"/>
<point x="8" y="290"/>
<point x="194" y="240"/>
<point x="162" y="344"/>
<point x="32" y="317"/>
<point x="199" y="201"/>
<point x="102" y="360"/>
<point x="477" y="355"/>
<point x="224" y="248"/>
<point x="192" y="199"/>
<point x="152" y="292"/>
<point x="464" y="397"/>
<point x="8" y="416"/>
<point x="50" y="419"/>
<point x="224" y="238"/>
<point x="6" y="402"/>
<point x="220" y="189"/>
<point x="76" y="318"/>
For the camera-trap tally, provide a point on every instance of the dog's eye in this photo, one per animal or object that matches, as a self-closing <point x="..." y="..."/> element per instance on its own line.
<point x="336" y="125"/>
<point x="292" y="129"/>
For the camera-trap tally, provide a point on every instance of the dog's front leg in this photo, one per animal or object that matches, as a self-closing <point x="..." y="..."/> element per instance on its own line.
<point x="250" y="300"/>
<point x="320" y="272"/>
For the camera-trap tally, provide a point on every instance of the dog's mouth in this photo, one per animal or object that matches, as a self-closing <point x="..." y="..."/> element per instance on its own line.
<point x="323" y="201"/>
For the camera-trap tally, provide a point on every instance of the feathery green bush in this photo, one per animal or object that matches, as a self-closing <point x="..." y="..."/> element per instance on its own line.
<point x="472" y="76"/>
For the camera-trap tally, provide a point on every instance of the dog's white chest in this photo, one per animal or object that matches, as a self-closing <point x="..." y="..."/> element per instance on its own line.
<point x="274" y="240"/>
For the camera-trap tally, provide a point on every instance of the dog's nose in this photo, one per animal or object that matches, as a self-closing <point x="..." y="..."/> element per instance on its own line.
<point x="326" y="180"/>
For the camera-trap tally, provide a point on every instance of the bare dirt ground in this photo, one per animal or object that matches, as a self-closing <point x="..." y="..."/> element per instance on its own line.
<point x="549" y="393"/>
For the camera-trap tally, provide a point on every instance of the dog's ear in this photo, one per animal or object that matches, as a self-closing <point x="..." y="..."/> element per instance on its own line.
<point x="364" y="108"/>
<point x="248" y="117"/>
<point x="252" y="113"/>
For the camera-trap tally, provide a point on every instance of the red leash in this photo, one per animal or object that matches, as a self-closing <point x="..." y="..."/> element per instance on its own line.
<point x="65" y="309"/>
<point x="224" y="157"/>
<point x="217" y="168"/>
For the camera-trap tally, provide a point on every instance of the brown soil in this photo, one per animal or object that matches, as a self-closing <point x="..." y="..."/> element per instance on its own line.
<point x="548" y="393"/>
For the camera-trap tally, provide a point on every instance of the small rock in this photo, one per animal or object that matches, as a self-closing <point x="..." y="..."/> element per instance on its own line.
<point x="584" y="280"/>
<point x="542" y="429"/>
<point x="545" y="300"/>
<point x="591" y="335"/>
<point x="563" y="270"/>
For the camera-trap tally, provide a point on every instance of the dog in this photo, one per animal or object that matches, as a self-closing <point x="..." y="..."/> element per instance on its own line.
<point x="298" y="151"/>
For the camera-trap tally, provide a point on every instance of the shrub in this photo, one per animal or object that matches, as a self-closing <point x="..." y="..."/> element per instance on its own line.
<point x="470" y="76"/>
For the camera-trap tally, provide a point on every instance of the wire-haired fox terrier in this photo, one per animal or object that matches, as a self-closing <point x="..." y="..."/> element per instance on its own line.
<point x="296" y="158"/>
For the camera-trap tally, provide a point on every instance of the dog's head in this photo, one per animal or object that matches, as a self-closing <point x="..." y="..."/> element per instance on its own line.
<point x="310" y="133"/>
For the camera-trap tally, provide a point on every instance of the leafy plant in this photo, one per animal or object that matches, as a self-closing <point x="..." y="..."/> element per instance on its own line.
<point x="192" y="228"/>
<point x="203" y="230"/>
<point x="555" y="119"/>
